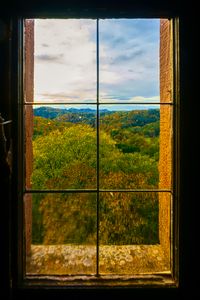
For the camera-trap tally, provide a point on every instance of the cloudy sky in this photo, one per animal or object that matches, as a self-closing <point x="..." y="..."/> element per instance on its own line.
<point x="66" y="67"/>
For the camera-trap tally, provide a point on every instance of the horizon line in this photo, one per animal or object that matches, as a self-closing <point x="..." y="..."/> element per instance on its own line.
<point x="127" y="108"/>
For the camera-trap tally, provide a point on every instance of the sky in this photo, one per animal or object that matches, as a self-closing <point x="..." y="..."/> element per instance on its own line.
<point x="65" y="60"/>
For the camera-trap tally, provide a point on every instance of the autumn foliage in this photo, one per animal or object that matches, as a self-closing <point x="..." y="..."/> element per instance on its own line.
<point x="65" y="157"/>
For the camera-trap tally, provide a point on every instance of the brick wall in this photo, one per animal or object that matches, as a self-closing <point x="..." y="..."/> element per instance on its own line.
<point x="165" y="162"/>
<point x="29" y="96"/>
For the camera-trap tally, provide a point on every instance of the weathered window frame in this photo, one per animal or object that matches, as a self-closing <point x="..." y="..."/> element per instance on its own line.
<point x="160" y="280"/>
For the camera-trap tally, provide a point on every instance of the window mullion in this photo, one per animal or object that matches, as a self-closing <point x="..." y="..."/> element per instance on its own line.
<point x="97" y="130"/>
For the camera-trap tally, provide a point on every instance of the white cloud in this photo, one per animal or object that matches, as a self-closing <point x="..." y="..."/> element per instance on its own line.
<point x="136" y="99"/>
<point x="65" y="60"/>
<point x="129" y="54"/>
<point x="145" y="99"/>
<point x="66" y="64"/>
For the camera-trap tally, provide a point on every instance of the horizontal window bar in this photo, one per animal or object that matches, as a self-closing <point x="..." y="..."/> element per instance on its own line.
<point x="158" y="279"/>
<point x="98" y="191"/>
<point x="135" y="190"/>
<point x="62" y="191"/>
<point x="59" y="103"/>
<point x="100" y="103"/>
<point x="136" y="103"/>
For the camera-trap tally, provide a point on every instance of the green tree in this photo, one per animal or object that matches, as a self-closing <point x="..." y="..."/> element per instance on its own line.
<point x="67" y="159"/>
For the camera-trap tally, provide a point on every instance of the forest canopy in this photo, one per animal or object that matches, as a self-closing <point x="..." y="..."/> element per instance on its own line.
<point x="65" y="157"/>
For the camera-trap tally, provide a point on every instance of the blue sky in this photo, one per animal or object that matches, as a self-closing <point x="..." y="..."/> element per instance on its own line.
<point x="65" y="60"/>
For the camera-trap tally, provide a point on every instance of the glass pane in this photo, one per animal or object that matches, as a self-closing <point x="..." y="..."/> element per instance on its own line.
<point x="129" y="60"/>
<point x="131" y="239"/>
<point x="135" y="146"/>
<point x="63" y="51"/>
<point x="61" y="147"/>
<point x="60" y="233"/>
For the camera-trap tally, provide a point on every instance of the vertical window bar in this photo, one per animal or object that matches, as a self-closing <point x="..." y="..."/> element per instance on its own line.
<point x="97" y="58"/>
<point x="176" y="142"/>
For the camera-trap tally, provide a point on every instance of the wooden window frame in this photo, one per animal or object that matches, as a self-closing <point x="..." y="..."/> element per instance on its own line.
<point x="137" y="281"/>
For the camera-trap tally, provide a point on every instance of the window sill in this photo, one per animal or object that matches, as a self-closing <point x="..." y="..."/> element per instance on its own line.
<point x="133" y="264"/>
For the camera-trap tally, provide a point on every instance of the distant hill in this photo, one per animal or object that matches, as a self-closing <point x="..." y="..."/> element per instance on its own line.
<point x="120" y="119"/>
<point x="52" y="112"/>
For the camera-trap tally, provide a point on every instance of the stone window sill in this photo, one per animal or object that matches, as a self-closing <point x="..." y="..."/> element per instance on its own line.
<point x="81" y="259"/>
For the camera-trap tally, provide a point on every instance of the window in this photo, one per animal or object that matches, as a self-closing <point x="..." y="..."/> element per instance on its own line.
<point x="98" y="150"/>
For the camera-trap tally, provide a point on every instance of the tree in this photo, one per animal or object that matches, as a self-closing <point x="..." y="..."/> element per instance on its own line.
<point x="67" y="159"/>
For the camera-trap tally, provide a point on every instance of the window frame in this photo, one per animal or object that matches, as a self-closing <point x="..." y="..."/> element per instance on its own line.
<point x="165" y="280"/>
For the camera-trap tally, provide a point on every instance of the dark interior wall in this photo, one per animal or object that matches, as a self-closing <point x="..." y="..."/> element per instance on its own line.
<point x="189" y="157"/>
<point x="188" y="133"/>
<point x="5" y="112"/>
<point x="103" y="7"/>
